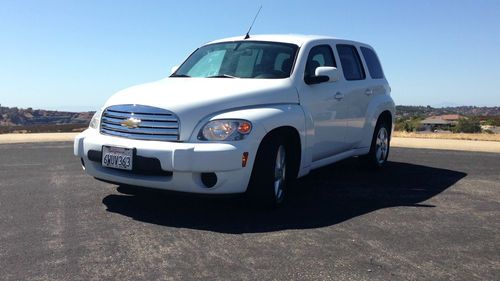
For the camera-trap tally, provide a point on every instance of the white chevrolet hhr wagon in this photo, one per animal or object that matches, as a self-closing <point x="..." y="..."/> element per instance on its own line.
<point x="245" y="115"/>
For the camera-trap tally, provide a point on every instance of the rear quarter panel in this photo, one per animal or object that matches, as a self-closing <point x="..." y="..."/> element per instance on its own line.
<point x="379" y="104"/>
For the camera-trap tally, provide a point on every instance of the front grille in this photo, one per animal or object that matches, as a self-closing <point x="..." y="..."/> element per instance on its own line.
<point x="140" y="122"/>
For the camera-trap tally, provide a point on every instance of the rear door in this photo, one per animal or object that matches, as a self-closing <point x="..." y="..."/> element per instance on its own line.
<point x="357" y="92"/>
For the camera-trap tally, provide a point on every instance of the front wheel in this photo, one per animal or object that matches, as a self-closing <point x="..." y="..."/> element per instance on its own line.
<point x="280" y="174"/>
<point x="268" y="183"/>
<point x="379" y="149"/>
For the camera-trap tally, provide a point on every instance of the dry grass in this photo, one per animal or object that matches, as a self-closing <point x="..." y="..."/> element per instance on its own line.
<point x="449" y="136"/>
<point x="47" y="128"/>
<point x="41" y="137"/>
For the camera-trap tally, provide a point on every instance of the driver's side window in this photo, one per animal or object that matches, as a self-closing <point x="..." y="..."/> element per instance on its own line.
<point x="321" y="55"/>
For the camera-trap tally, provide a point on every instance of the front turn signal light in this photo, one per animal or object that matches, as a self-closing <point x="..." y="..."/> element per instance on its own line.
<point x="244" y="127"/>
<point x="244" y="159"/>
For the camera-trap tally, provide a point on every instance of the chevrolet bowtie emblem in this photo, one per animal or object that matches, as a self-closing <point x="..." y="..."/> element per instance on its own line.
<point x="131" y="123"/>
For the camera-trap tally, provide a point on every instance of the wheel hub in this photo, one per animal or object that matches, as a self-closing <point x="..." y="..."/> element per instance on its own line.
<point x="382" y="145"/>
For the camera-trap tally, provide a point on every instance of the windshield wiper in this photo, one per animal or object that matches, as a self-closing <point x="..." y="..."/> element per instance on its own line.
<point x="222" y="76"/>
<point x="179" y="75"/>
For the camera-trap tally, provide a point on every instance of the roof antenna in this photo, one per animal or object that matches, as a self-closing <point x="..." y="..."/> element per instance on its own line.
<point x="248" y="32"/>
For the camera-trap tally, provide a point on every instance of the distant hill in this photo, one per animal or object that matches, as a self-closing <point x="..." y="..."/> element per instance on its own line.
<point x="13" y="116"/>
<point x="407" y="111"/>
<point x="13" y="119"/>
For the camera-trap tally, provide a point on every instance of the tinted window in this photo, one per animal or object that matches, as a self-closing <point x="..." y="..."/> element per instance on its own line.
<point x="351" y="63"/>
<point x="373" y="63"/>
<point x="321" y="55"/>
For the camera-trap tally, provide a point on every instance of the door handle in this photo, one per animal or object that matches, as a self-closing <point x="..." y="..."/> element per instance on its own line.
<point x="339" y="96"/>
<point x="368" y="92"/>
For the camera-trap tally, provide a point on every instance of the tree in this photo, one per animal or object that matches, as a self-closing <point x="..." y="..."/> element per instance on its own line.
<point x="468" y="125"/>
<point x="489" y="122"/>
<point x="408" y="127"/>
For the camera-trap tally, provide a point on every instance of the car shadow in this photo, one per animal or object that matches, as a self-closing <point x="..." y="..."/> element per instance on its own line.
<point x="325" y="197"/>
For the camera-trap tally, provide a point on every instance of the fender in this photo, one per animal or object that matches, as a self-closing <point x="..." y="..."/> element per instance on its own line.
<point x="265" y="119"/>
<point x="379" y="104"/>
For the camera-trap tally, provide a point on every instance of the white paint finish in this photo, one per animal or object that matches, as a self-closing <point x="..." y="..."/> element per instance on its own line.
<point x="379" y="104"/>
<point x="266" y="119"/>
<point x="334" y="120"/>
<point x="357" y="102"/>
<point x="297" y="39"/>
<point x="192" y="99"/>
<point x="339" y="156"/>
<point x="186" y="160"/>
<point x="174" y="156"/>
<point x="329" y="117"/>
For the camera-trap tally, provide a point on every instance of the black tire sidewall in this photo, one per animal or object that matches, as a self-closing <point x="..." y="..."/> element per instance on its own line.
<point x="261" y="184"/>
<point x="371" y="158"/>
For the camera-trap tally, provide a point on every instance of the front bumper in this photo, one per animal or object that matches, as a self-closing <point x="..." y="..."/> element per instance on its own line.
<point x="185" y="161"/>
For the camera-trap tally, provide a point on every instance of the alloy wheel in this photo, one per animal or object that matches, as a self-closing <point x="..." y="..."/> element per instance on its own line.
<point x="382" y="145"/>
<point x="280" y="174"/>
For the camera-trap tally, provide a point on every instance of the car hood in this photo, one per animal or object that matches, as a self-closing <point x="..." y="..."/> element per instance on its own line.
<point x="193" y="99"/>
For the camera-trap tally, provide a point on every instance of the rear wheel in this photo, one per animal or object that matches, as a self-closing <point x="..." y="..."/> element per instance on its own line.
<point x="379" y="149"/>
<point x="269" y="181"/>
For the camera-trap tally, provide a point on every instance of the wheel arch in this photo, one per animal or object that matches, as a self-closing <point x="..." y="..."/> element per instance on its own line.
<point x="291" y="136"/>
<point x="371" y="159"/>
<point x="381" y="107"/>
<point x="386" y="116"/>
<point x="287" y="119"/>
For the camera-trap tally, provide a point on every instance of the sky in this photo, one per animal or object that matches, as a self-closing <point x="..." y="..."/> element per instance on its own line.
<point x="73" y="55"/>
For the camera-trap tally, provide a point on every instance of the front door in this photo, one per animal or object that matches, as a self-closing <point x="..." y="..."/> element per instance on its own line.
<point x="325" y="104"/>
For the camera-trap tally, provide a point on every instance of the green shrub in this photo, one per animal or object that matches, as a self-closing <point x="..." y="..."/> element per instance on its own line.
<point x="468" y="125"/>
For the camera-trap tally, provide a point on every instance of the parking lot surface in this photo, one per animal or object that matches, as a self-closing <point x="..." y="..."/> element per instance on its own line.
<point x="429" y="215"/>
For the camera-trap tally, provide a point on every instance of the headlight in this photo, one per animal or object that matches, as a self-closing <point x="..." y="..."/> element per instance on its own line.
<point x="96" y="119"/>
<point x="225" y="130"/>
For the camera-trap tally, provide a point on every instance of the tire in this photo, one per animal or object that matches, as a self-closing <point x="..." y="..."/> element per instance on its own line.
<point x="380" y="146"/>
<point x="271" y="173"/>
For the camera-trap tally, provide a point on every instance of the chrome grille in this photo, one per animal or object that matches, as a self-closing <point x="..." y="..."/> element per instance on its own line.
<point x="140" y="122"/>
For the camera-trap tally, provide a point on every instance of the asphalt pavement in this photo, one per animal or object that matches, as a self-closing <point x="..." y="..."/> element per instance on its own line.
<point x="428" y="215"/>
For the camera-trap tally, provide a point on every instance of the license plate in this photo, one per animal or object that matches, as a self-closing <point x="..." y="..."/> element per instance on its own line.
<point x="117" y="157"/>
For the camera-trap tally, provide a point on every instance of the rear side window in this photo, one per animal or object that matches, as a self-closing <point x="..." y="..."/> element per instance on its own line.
<point x="373" y="63"/>
<point x="351" y="62"/>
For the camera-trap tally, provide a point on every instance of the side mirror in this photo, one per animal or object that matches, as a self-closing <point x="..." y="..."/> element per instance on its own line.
<point x="323" y="74"/>
<point x="329" y="71"/>
<point x="174" y="69"/>
<point x="310" y="80"/>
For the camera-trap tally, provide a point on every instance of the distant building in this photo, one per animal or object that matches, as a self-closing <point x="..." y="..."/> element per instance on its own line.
<point x="441" y="122"/>
<point x="490" y="128"/>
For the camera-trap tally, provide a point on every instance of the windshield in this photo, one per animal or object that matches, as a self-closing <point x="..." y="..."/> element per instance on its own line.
<point x="241" y="59"/>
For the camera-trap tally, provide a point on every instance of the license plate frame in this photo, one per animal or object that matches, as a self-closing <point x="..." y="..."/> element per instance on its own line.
<point x="117" y="157"/>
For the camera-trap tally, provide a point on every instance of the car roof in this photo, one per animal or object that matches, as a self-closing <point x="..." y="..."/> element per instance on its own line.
<point x="296" y="39"/>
